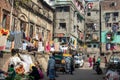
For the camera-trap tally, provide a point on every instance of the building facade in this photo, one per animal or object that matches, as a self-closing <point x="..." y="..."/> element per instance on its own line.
<point x="92" y="27"/>
<point x="69" y="21"/>
<point x="110" y="20"/>
<point x="34" y="18"/>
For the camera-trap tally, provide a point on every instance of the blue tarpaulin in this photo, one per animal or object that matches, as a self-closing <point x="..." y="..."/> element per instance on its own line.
<point x="116" y="38"/>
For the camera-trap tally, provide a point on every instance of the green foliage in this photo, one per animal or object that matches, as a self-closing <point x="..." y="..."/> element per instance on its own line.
<point x="18" y="77"/>
<point x="21" y="77"/>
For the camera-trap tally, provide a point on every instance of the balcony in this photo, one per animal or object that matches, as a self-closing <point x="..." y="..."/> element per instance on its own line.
<point x="92" y="37"/>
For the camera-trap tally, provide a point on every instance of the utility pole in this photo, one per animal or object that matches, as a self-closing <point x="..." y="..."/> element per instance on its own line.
<point x="100" y="26"/>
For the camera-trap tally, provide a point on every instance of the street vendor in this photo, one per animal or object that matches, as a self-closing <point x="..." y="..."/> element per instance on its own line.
<point x="11" y="73"/>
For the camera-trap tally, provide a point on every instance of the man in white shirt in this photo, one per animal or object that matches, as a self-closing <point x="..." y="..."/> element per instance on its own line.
<point x="112" y="75"/>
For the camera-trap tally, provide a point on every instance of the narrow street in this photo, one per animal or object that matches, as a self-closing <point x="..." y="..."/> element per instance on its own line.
<point x="84" y="73"/>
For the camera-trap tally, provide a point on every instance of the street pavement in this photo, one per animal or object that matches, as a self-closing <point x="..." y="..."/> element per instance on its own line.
<point x="84" y="73"/>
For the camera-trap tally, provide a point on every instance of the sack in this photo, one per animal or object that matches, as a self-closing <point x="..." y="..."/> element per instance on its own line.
<point x="41" y="74"/>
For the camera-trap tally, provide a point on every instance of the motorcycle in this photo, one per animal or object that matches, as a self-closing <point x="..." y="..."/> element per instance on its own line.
<point x="97" y="68"/>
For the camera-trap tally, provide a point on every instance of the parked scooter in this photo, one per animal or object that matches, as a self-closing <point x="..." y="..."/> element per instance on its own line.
<point x="97" y="68"/>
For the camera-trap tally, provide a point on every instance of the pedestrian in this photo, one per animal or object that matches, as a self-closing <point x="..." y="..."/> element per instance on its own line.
<point x="94" y="60"/>
<point x="68" y="64"/>
<point x="34" y="74"/>
<point x="72" y="65"/>
<point x="51" y="68"/>
<point x="53" y="54"/>
<point x="90" y="61"/>
<point x="38" y="66"/>
<point x="11" y="73"/>
<point x="105" y="60"/>
<point x="99" y="60"/>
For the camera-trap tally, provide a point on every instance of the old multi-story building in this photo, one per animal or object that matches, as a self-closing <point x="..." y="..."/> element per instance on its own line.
<point x="110" y="22"/>
<point x="35" y="18"/>
<point x="69" y="21"/>
<point x="102" y="19"/>
<point x="5" y="10"/>
<point x="92" y="27"/>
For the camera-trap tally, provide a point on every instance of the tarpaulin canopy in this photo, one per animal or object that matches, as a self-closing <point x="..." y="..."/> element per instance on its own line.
<point x="103" y="36"/>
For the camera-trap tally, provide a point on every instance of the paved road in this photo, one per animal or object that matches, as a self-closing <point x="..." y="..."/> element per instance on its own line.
<point x="84" y="73"/>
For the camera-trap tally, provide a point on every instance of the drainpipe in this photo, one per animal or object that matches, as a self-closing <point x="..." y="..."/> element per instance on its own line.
<point x="11" y="12"/>
<point x="100" y="26"/>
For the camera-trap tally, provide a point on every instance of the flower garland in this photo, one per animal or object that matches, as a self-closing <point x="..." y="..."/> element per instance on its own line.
<point x="4" y="32"/>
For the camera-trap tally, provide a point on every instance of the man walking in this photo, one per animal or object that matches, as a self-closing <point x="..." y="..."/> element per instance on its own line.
<point x="51" y="68"/>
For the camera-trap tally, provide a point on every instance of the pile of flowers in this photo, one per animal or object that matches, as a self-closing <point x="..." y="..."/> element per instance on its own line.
<point x="4" y="32"/>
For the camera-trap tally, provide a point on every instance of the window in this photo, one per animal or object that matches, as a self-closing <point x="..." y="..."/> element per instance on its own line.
<point x="22" y="25"/>
<point x="31" y="30"/>
<point x="118" y="33"/>
<point x="108" y="24"/>
<point x="116" y="14"/>
<point x="62" y="25"/>
<point x="63" y="9"/>
<point x="89" y="45"/>
<point x="13" y="24"/>
<point x="74" y="14"/>
<point x="48" y="34"/>
<point x="52" y="0"/>
<point x="43" y="33"/>
<point x="74" y="28"/>
<point x="114" y="19"/>
<point x="4" y="21"/>
<point x="89" y="14"/>
<point x="108" y="15"/>
<point x="37" y="30"/>
<point x="94" y="46"/>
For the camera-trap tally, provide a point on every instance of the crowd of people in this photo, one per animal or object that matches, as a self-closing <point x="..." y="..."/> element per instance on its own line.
<point x="36" y="73"/>
<point x="93" y="60"/>
<point x="51" y="69"/>
<point x="110" y="73"/>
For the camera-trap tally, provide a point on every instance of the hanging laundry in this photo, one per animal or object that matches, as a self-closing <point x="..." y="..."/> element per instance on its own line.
<point x="114" y="28"/>
<point x="90" y="5"/>
<point x="11" y="36"/>
<point x="108" y="46"/>
<point x="109" y="36"/>
<point x="47" y="48"/>
<point x="112" y="46"/>
<point x="17" y="40"/>
<point x="3" y="40"/>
